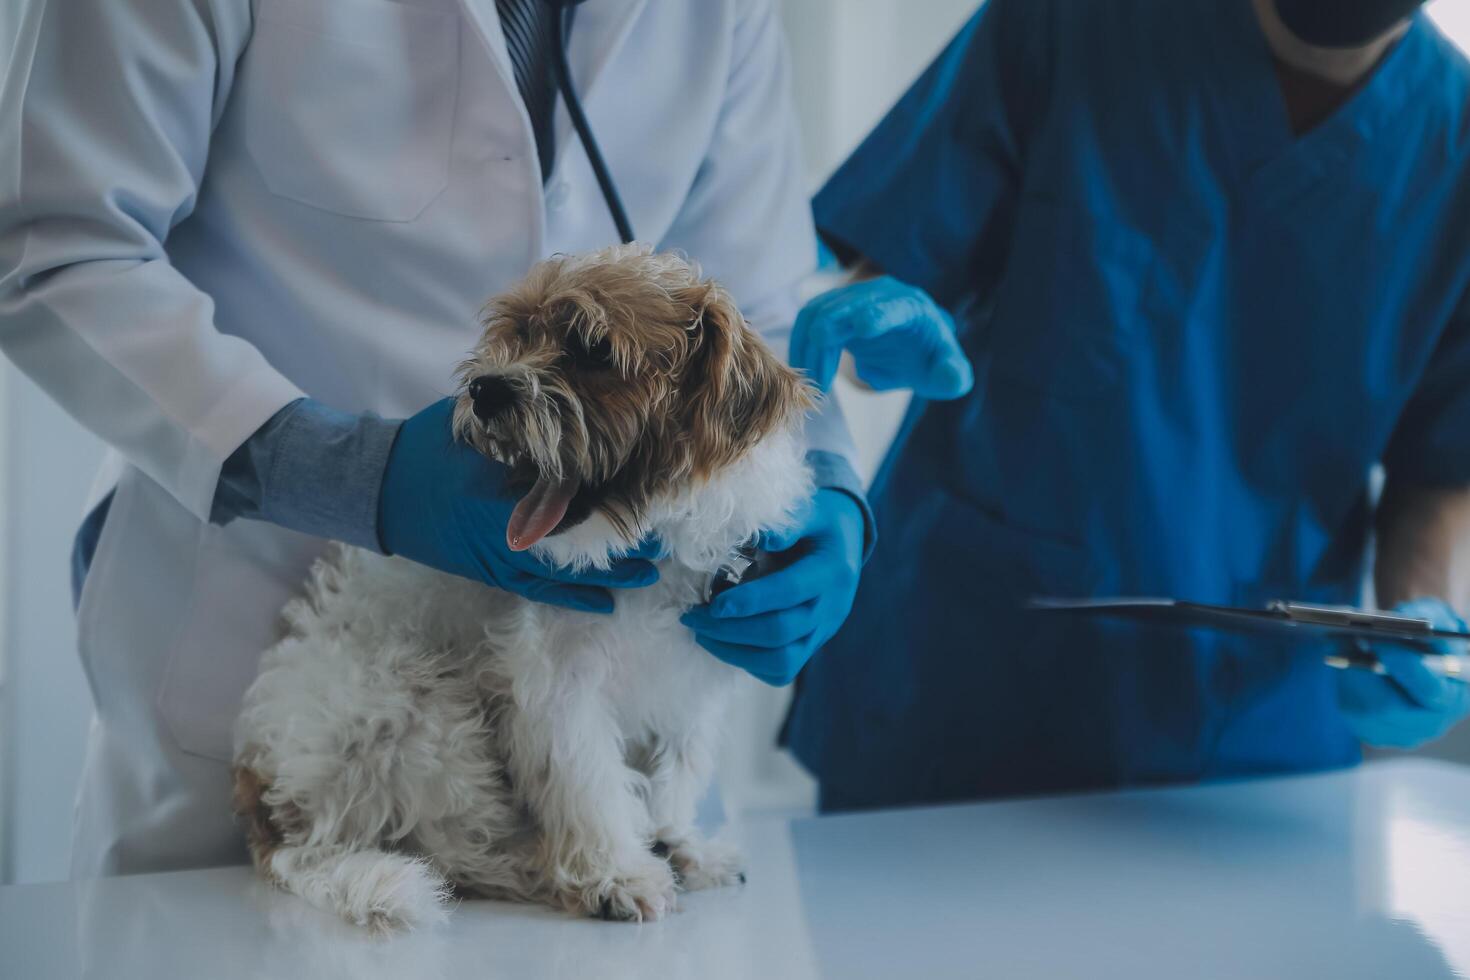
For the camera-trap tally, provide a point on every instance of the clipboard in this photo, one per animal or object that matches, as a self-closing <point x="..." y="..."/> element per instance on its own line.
<point x="1353" y="629"/>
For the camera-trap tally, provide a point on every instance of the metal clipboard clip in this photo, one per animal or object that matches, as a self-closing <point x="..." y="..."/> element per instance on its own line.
<point x="1361" y="656"/>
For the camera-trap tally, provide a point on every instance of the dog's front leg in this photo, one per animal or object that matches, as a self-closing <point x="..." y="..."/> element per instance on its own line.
<point x="565" y="754"/>
<point x="679" y="770"/>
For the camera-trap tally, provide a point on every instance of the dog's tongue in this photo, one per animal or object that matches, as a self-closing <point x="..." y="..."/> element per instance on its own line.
<point x="539" y="512"/>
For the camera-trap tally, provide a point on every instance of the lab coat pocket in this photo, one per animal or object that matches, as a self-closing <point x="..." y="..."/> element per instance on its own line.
<point x="243" y="576"/>
<point x="1068" y="305"/>
<point x="349" y="104"/>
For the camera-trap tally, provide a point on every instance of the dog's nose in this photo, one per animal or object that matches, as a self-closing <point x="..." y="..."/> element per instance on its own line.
<point x="491" y="396"/>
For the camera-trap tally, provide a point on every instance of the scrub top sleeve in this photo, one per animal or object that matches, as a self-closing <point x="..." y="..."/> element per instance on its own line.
<point x="1431" y="443"/>
<point x="927" y="194"/>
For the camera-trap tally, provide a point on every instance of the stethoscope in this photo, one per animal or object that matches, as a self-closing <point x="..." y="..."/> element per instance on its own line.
<point x="579" y="120"/>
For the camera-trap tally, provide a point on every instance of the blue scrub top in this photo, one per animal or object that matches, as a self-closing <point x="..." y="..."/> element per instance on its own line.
<point x="1195" y="334"/>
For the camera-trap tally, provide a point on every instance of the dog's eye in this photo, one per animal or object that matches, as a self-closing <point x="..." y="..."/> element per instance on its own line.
<point x="598" y="353"/>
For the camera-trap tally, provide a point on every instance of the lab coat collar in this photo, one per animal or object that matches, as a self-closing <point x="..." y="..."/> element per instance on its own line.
<point x="597" y="35"/>
<point x="483" y="17"/>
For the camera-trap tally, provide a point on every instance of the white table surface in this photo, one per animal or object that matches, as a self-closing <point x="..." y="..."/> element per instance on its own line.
<point x="1362" y="873"/>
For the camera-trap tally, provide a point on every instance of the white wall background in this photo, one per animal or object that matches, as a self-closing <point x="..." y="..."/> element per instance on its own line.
<point x="852" y="59"/>
<point x="1453" y="18"/>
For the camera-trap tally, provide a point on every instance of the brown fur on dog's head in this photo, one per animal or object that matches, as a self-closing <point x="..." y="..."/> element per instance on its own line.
<point x="609" y="379"/>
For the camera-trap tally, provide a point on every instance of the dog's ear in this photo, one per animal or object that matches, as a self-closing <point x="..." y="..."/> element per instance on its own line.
<point x="736" y="392"/>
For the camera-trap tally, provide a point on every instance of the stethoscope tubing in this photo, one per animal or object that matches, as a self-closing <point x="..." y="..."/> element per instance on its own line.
<point x="584" y="129"/>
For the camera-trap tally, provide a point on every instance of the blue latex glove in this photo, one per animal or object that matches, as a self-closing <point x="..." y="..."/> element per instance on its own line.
<point x="1410" y="705"/>
<point x="771" y="625"/>
<point x="897" y="335"/>
<point x="444" y="505"/>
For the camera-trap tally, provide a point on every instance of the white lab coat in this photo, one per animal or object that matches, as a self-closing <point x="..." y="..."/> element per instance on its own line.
<point x="211" y="207"/>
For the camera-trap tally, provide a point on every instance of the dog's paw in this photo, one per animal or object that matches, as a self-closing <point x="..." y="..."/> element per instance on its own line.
<point x="643" y="892"/>
<point x="700" y="864"/>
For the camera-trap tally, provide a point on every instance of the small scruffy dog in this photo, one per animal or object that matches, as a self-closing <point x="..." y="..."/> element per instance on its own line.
<point x="417" y="734"/>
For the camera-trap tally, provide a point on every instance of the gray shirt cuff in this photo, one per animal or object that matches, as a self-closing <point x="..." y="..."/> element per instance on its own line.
<point x="832" y="471"/>
<point x="311" y="469"/>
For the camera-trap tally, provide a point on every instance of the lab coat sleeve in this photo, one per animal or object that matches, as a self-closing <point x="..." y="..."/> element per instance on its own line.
<point x="107" y="109"/>
<point x="747" y="220"/>
<point x="930" y="194"/>
<point x="1431" y="442"/>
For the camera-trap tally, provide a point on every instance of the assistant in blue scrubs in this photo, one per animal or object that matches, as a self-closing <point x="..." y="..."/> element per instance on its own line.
<point x="1195" y="332"/>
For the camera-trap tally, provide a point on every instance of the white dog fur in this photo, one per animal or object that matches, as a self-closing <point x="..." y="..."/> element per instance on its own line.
<point x="417" y="734"/>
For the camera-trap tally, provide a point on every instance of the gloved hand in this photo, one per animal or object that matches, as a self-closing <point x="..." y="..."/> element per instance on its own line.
<point x="444" y="505"/>
<point x="1410" y="705"/>
<point x="897" y="335"/>
<point x="771" y="625"/>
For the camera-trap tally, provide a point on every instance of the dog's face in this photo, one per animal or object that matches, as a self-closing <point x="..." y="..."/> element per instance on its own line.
<point x="607" y="380"/>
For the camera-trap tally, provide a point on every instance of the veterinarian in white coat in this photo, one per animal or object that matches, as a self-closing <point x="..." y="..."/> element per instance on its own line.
<point x="210" y="208"/>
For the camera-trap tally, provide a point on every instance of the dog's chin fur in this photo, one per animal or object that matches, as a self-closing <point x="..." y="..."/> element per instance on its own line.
<point x="417" y="734"/>
<point x="699" y="526"/>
